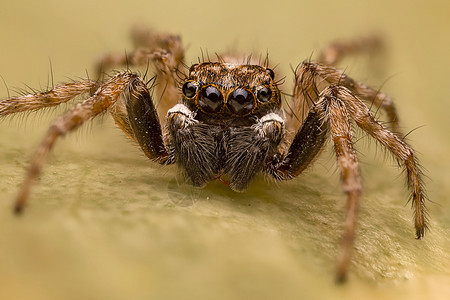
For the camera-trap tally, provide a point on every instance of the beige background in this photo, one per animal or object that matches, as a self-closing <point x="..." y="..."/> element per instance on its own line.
<point x="104" y="223"/>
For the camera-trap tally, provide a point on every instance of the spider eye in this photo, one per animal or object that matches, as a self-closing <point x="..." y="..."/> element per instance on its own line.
<point x="271" y="73"/>
<point x="190" y="89"/>
<point x="241" y="102"/>
<point x="264" y="94"/>
<point x="211" y="99"/>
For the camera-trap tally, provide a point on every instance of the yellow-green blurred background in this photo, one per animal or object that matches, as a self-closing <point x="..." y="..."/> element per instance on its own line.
<point x="105" y="223"/>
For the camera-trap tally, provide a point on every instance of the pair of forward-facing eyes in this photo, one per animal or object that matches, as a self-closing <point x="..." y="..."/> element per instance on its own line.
<point x="240" y="101"/>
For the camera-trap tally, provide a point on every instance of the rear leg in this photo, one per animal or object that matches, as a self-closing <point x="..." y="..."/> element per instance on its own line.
<point x="145" y="43"/>
<point x="330" y="56"/>
<point x="143" y="37"/>
<point x="162" y="51"/>
<point x="337" y="50"/>
<point x="311" y="78"/>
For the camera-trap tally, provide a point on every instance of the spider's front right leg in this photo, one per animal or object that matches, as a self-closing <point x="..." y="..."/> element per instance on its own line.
<point x="136" y="115"/>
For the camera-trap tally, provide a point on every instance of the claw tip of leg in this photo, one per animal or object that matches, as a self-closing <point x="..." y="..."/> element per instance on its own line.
<point x="18" y="210"/>
<point x="420" y="233"/>
<point x="341" y="278"/>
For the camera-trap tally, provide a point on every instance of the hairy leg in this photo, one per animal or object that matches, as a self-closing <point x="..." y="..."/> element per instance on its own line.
<point x="145" y="43"/>
<point x="311" y="78"/>
<point x="56" y="96"/>
<point x="328" y="114"/>
<point x="305" y="147"/>
<point x="338" y="49"/>
<point x="343" y="106"/>
<point x="144" y="37"/>
<point x="144" y="121"/>
<point x="164" y="52"/>
<point x="335" y="112"/>
<point x="335" y="107"/>
<point x="102" y="99"/>
<point x="402" y="152"/>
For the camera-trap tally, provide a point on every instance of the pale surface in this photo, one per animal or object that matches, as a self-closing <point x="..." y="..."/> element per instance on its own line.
<point x="105" y="223"/>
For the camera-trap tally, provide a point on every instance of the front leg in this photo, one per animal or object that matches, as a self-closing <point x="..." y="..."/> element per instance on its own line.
<point x="305" y="147"/>
<point x="144" y="122"/>
<point x="105" y="97"/>
<point x="328" y="114"/>
<point x="333" y="111"/>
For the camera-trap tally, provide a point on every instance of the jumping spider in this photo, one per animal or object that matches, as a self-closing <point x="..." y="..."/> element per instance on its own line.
<point x="225" y="119"/>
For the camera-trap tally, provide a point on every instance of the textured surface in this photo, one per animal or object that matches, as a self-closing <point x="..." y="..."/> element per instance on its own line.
<point x="105" y="223"/>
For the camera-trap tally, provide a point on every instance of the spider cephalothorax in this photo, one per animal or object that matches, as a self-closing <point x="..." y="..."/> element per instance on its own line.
<point x="229" y="93"/>
<point x="227" y="121"/>
<point x="229" y="124"/>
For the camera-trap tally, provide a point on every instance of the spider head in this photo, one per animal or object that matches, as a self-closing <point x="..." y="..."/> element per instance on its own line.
<point x="220" y="92"/>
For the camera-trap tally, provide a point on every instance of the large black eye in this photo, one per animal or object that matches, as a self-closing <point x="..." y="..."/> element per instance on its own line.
<point x="264" y="94"/>
<point x="190" y="89"/>
<point x="241" y="102"/>
<point x="211" y="99"/>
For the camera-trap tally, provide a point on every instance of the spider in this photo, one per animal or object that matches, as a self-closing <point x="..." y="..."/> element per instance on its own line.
<point x="224" y="119"/>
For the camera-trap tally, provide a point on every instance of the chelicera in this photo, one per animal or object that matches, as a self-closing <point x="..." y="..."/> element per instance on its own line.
<point x="224" y="119"/>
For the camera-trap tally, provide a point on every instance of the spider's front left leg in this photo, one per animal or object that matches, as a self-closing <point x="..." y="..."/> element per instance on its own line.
<point x="333" y="111"/>
<point x="403" y="153"/>
<point x="102" y="99"/>
<point x="328" y="114"/>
